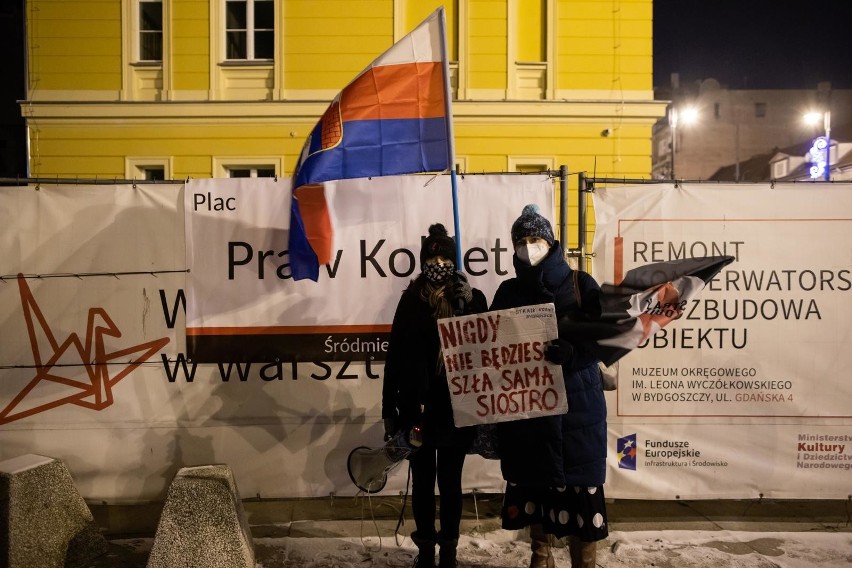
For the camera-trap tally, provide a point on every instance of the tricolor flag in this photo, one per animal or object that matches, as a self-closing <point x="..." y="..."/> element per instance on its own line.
<point x="394" y="118"/>
<point x="648" y="299"/>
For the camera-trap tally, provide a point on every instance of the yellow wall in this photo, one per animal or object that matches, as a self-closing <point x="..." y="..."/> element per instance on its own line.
<point x="191" y="44"/>
<point x="532" y="34"/>
<point x="327" y="43"/>
<point x="487" y="27"/>
<point x="74" y="44"/>
<point x="605" y="45"/>
<point x="599" y="54"/>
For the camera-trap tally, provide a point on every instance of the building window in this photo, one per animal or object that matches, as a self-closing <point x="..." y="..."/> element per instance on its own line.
<point x="530" y="165"/>
<point x="717" y="110"/>
<point x="154" y="173"/>
<point x="257" y="172"/>
<point x="150" y="30"/>
<point x="249" y="29"/>
<point x="779" y="169"/>
<point x="760" y="110"/>
<point x="247" y="167"/>
<point x="148" y="168"/>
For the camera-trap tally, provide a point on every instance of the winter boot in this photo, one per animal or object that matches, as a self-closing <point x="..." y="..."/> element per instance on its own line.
<point x="542" y="548"/>
<point x="425" y="551"/>
<point x="447" y="552"/>
<point x="583" y="554"/>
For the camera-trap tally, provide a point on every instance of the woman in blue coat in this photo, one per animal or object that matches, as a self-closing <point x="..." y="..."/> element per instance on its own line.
<point x="555" y="466"/>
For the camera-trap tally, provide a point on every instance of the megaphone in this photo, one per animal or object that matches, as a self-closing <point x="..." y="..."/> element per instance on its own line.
<point x="369" y="467"/>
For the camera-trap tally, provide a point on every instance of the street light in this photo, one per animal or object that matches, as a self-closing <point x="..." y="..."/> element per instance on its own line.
<point x="821" y="150"/>
<point x="687" y="115"/>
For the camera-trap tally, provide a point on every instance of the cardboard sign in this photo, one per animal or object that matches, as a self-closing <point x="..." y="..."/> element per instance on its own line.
<point x="495" y="365"/>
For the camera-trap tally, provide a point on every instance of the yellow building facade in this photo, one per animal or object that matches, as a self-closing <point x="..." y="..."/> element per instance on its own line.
<point x="174" y="89"/>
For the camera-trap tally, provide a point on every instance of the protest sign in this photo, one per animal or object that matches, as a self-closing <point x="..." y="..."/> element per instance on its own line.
<point x="495" y="365"/>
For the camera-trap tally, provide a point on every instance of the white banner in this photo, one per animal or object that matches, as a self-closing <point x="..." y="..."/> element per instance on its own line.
<point x="747" y="393"/>
<point x="243" y="304"/>
<point x="495" y="365"/>
<point x="93" y="366"/>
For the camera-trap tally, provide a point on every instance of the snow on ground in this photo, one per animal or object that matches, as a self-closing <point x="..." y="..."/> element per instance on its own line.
<point x="505" y="549"/>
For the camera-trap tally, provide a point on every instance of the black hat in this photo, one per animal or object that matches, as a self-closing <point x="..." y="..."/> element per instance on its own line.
<point x="438" y="243"/>
<point x="532" y="224"/>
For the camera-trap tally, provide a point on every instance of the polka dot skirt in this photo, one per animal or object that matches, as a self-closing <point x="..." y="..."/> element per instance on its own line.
<point x="563" y="511"/>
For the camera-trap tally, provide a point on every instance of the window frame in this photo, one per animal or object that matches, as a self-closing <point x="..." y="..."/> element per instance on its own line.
<point x="222" y="166"/>
<point x="531" y="162"/>
<point x="250" y="33"/>
<point x="135" y="167"/>
<point x="139" y="32"/>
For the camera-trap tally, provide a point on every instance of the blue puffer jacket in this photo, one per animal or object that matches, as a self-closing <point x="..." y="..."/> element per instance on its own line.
<point x="568" y="449"/>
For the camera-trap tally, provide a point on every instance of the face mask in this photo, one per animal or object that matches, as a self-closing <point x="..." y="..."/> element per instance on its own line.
<point x="438" y="272"/>
<point x="532" y="253"/>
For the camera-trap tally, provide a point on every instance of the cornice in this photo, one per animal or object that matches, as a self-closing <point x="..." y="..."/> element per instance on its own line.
<point x="272" y="110"/>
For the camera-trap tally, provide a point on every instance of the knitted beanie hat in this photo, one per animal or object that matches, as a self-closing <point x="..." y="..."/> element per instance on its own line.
<point x="532" y="224"/>
<point x="438" y="243"/>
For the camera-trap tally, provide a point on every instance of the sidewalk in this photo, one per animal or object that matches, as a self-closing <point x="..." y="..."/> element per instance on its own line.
<point x="322" y="533"/>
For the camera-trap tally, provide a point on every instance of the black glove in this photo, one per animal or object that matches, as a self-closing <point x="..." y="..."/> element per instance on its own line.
<point x="390" y="428"/>
<point x="462" y="293"/>
<point x="559" y="351"/>
<point x="462" y="290"/>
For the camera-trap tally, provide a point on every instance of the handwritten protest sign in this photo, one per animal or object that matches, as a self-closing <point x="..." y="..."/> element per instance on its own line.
<point x="496" y="368"/>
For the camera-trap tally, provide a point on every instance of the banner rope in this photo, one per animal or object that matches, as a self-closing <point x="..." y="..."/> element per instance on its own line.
<point x="81" y="275"/>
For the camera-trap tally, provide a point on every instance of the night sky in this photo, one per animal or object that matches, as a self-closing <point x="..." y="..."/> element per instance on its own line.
<point x="754" y="44"/>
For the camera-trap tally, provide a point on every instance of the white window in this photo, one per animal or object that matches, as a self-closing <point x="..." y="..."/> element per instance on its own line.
<point x="150" y="30"/>
<point x="249" y="30"/>
<point x="779" y="168"/>
<point x="247" y="167"/>
<point x="254" y="172"/>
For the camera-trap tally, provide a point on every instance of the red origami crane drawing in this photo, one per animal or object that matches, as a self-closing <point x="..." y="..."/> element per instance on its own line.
<point x="57" y="379"/>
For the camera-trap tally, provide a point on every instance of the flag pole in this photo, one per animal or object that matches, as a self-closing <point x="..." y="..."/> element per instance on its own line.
<point x="451" y="145"/>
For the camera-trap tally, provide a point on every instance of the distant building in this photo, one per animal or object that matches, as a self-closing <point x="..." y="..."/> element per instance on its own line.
<point x="737" y="132"/>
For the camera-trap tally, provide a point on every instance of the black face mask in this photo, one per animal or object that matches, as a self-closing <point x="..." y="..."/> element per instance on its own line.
<point x="438" y="272"/>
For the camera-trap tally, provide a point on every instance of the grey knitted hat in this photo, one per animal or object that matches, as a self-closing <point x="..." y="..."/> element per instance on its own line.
<point x="532" y="224"/>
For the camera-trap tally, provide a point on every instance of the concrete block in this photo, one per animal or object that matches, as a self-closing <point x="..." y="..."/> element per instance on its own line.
<point x="43" y="519"/>
<point x="203" y="523"/>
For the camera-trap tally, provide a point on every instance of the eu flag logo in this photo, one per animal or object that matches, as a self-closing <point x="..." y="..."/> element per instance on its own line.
<point x="627" y="452"/>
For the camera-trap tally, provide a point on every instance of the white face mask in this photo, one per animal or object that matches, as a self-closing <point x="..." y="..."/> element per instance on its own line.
<point x="532" y="253"/>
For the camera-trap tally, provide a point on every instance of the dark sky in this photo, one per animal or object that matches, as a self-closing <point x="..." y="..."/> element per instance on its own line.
<point x="754" y="44"/>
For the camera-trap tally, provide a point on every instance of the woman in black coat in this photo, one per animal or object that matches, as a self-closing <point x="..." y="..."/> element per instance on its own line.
<point x="415" y="394"/>
<point x="555" y="466"/>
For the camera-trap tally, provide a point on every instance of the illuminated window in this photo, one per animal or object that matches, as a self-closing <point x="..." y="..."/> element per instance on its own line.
<point x="249" y="29"/>
<point x="150" y="30"/>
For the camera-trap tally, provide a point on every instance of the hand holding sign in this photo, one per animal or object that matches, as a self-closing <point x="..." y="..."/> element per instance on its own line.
<point x="496" y="366"/>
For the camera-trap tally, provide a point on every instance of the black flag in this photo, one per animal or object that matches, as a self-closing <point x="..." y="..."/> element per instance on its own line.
<point x="648" y="299"/>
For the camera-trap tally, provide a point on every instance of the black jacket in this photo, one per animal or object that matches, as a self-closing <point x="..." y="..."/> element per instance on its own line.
<point x="414" y="375"/>
<point x="569" y="449"/>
